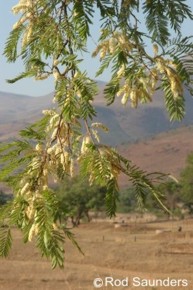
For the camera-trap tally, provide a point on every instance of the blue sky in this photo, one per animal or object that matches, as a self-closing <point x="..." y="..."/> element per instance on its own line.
<point x="30" y="86"/>
<point x="36" y="88"/>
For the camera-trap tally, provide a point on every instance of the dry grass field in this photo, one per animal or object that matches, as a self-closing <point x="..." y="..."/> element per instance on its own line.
<point x="153" y="250"/>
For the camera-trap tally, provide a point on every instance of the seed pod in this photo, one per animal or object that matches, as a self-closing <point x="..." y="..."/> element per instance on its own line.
<point x="119" y="93"/>
<point x="170" y="72"/>
<point x="102" y="53"/>
<point x="25" y="188"/>
<point x="54" y="133"/>
<point x="153" y="84"/>
<point x="78" y="93"/>
<point x="54" y="100"/>
<point x="48" y="112"/>
<point x="122" y="39"/>
<point x="53" y="120"/>
<point x="172" y="64"/>
<point x="134" y="98"/>
<point x="62" y="159"/>
<point x="102" y="152"/>
<point x="71" y="168"/>
<point x="45" y="172"/>
<point x="121" y="71"/>
<point x="56" y="62"/>
<point x="27" y="36"/>
<point x="30" y="212"/>
<point x="20" y="7"/>
<point x="58" y="150"/>
<point x="16" y="25"/>
<point x="50" y="150"/>
<point x="28" y="193"/>
<point x="160" y="65"/>
<point x="124" y="99"/>
<point x="23" y="181"/>
<point x="175" y="88"/>
<point x="66" y="155"/>
<point x="33" y="232"/>
<point x="45" y="187"/>
<point x="41" y="77"/>
<point x="76" y="74"/>
<point x="38" y="147"/>
<point x="55" y="226"/>
<point x="112" y="45"/>
<point x="155" y="49"/>
<point x="86" y="140"/>
<point x="56" y="75"/>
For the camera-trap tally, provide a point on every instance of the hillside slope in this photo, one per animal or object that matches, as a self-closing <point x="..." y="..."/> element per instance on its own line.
<point x="167" y="152"/>
<point x="125" y="124"/>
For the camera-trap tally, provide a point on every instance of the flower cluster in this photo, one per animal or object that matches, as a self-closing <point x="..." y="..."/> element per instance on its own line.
<point x="118" y="41"/>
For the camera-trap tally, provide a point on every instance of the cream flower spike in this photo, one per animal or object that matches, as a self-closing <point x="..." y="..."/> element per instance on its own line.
<point x="21" y="6"/>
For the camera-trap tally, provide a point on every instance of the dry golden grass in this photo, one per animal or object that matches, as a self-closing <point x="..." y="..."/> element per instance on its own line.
<point x="129" y="251"/>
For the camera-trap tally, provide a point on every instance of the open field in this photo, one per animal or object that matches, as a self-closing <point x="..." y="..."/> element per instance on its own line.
<point x="133" y="250"/>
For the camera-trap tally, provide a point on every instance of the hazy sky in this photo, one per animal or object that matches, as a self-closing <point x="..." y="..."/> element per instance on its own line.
<point x="37" y="88"/>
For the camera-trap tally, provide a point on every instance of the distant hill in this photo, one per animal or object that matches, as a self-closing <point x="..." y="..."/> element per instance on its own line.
<point x="18" y="111"/>
<point x="167" y="152"/>
<point x="125" y="124"/>
<point x="150" y="119"/>
<point x="145" y="135"/>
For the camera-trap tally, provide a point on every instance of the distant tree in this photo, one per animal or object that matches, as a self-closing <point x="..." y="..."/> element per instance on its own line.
<point x="171" y="196"/>
<point x="77" y="198"/>
<point x="51" y="37"/>
<point x="5" y="197"/>
<point x="186" y="181"/>
<point x="171" y="191"/>
<point x="127" y="200"/>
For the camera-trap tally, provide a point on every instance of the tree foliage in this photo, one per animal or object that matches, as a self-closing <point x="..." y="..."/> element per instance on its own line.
<point x="187" y="182"/>
<point x="77" y="198"/>
<point x="172" y="190"/>
<point x="49" y="37"/>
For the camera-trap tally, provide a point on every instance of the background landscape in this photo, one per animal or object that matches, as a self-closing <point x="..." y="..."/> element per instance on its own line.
<point x="131" y="244"/>
<point x="144" y="135"/>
